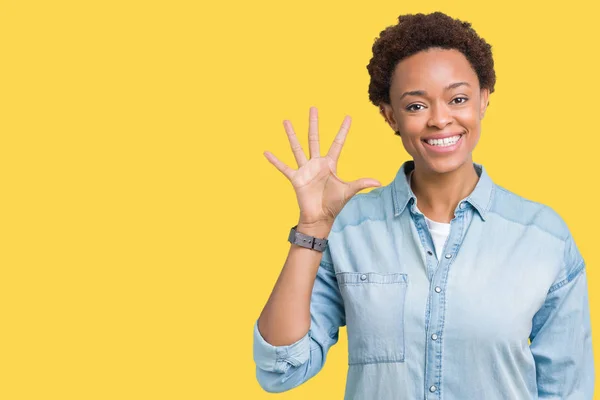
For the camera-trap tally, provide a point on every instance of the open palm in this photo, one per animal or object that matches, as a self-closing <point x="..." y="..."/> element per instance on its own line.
<point x="320" y="192"/>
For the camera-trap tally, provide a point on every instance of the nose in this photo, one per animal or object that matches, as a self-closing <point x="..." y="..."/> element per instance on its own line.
<point x="440" y="116"/>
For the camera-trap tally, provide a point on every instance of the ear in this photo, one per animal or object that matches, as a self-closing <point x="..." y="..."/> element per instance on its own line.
<point x="388" y="114"/>
<point x="483" y="95"/>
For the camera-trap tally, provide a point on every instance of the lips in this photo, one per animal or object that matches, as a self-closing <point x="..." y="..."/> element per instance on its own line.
<point x="442" y="136"/>
<point x="433" y="149"/>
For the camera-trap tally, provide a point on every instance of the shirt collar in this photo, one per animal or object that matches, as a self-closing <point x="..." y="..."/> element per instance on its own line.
<point x="480" y="198"/>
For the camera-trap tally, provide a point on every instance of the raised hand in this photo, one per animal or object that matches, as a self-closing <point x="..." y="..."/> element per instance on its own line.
<point x="320" y="192"/>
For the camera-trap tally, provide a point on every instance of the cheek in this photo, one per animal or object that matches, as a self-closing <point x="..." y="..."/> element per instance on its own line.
<point x="412" y="128"/>
<point x="474" y="137"/>
<point x="414" y="125"/>
<point x="411" y="140"/>
<point x="469" y="116"/>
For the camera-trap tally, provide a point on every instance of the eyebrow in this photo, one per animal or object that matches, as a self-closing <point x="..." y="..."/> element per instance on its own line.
<point x="423" y="93"/>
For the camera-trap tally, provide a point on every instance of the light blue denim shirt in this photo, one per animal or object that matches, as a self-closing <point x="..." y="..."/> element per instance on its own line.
<point x="457" y="329"/>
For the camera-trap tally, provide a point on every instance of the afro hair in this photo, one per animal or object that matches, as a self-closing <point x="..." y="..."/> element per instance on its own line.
<point x="418" y="32"/>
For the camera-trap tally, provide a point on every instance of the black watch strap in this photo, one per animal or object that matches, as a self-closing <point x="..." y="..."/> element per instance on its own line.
<point x="310" y="242"/>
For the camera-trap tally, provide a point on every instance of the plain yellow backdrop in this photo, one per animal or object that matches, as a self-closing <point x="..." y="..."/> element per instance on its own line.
<point x="142" y="227"/>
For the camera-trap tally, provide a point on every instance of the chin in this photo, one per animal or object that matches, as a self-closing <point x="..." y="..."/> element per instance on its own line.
<point x="444" y="165"/>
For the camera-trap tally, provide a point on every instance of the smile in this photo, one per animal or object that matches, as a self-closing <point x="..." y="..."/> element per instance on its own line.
<point x="449" y="141"/>
<point x="445" y="145"/>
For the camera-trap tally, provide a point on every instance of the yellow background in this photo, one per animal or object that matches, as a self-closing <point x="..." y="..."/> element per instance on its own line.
<point x="142" y="227"/>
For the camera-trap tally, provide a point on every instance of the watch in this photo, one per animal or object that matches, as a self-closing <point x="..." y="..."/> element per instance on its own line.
<point x="310" y="242"/>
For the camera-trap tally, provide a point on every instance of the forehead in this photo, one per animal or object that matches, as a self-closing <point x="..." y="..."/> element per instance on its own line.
<point x="432" y="70"/>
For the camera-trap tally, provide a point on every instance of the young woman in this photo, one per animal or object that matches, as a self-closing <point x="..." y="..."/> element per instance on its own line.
<point x="451" y="287"/>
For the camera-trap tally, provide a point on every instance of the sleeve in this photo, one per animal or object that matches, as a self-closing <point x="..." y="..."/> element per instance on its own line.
<point x="561" y="340"/>
<point x="281" y="368"/>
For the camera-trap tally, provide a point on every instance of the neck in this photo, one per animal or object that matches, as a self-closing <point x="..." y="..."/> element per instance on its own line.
<point x="439" y="194"/>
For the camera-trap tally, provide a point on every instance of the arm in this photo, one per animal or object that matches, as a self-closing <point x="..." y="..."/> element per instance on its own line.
<point x="284" y="359"/>
<point x="561" y="341"/>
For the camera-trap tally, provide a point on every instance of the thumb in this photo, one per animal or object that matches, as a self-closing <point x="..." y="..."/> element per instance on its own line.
<point x="360" y="184"/>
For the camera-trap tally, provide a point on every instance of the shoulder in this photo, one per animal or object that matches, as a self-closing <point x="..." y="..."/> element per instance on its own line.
<point x="536" y="215"/>
<point x="518" y="209"/>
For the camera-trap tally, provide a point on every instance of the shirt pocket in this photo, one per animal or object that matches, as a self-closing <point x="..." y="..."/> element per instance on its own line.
<point x="374" y="307"/>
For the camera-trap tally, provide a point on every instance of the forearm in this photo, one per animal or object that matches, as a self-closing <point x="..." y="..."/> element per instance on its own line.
<point x="286" y="316"/>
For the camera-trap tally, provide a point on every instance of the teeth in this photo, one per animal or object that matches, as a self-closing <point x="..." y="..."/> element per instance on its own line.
<point x="444" y="142"/>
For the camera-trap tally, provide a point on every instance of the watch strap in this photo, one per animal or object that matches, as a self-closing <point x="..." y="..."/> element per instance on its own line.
<point x="310" y="242"/>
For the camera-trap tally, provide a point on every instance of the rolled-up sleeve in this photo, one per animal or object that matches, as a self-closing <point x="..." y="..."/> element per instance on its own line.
<point x="561" y="339"/>
<point x="279" y="358"/>
<point x="281" y="368"/>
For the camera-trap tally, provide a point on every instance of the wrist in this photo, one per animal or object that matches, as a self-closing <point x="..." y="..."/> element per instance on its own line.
<point x="319" y="230"/>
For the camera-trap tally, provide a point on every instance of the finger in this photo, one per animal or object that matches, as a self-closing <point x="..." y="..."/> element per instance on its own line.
<point x="360" y="184"/>
<point x="295" y="144"/>
<point x="340" y="138"/>
<point x="313" y="133"/>
<point x="287" y="171"/>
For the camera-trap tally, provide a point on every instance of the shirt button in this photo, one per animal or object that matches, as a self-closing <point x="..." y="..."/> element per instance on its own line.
<point x="462" y="205"/>
<point x="434" y="336"/>
<point x="448" y="255"/>
<point x="363" y="277"/>
<point x="438" y="289"/>
<point x="432" y="388"/>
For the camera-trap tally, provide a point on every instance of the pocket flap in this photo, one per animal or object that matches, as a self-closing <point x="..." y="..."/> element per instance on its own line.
<point x="358" y="278"/>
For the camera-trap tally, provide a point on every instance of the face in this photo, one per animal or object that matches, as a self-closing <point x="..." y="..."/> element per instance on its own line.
<point x="437" y="105"/>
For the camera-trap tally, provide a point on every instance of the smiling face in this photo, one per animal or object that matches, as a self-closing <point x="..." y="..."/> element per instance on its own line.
<point x="437" y="105"/>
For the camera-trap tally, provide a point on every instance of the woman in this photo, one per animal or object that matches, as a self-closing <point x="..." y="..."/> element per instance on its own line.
<point x="451" y="287"/>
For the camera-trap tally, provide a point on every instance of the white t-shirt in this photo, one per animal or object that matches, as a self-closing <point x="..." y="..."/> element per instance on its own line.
<point x="439" y="233"/>
<point x="439" y="230"/>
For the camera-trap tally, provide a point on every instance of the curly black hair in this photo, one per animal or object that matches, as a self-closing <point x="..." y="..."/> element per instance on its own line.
<point x="417" y="32"/>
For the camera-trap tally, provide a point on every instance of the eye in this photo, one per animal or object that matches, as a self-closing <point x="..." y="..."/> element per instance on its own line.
<point x="461" y="98"/>
<point x="410" y="107"/>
